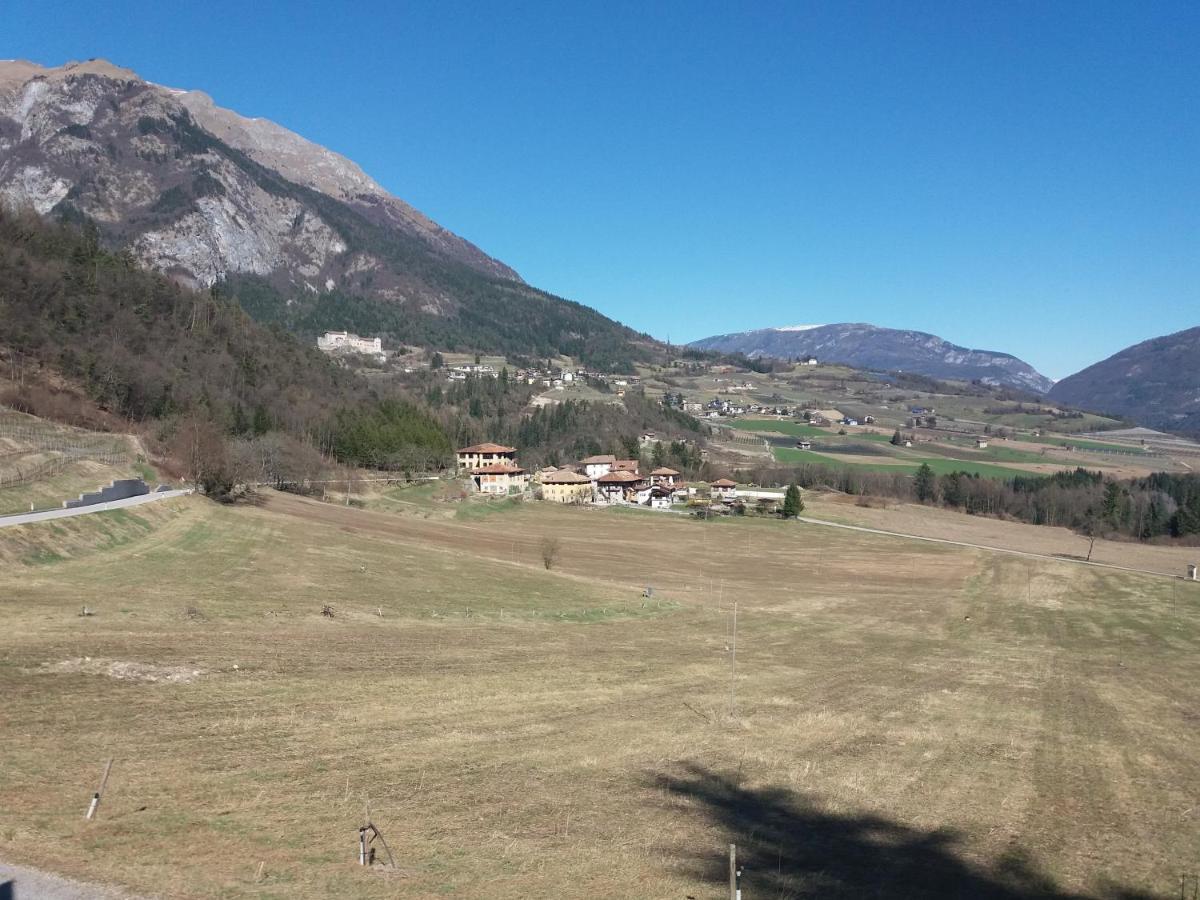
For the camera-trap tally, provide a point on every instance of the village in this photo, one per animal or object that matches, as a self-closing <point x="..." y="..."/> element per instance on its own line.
<point x="602" y="480"/>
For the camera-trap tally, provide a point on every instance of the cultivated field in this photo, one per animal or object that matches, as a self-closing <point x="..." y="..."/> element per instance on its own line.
<point x="906" y="720"/>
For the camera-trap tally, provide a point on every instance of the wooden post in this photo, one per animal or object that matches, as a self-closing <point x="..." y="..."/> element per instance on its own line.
<point x="91" y="813"/>
<point x="733" y="666"/>
<point x="733" y="885"/>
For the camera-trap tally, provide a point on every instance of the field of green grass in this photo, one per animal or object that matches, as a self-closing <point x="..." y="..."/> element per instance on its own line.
<point x="939" y="464"/>
<point x="904" y="719"/>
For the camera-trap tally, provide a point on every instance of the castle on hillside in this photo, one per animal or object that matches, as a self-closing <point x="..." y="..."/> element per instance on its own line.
<point x="345" y="342"/>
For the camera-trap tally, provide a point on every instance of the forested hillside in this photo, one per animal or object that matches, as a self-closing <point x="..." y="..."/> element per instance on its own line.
<point x="217" y="389"/>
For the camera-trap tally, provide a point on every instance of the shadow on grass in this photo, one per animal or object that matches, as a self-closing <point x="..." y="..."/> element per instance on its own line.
<point x="791" y="848"/>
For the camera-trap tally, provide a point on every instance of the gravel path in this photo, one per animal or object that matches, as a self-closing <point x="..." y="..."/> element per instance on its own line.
<point x="24" y="883"/>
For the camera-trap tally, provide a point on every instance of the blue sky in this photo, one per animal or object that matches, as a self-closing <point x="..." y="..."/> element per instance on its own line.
<point x="1018" y="176"/>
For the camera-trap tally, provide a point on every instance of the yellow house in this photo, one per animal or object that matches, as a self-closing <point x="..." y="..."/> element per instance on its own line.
<point x="566" y="487"/>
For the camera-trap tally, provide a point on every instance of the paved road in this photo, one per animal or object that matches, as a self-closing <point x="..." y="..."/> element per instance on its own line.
<point x="24" y="883"/>
<point x="933" y="540"/>
<point x="46" y="515"/>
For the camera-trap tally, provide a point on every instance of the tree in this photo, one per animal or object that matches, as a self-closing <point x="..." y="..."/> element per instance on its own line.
<point x="925" y="484"/>
<point x="550" y="548"/>
<point x="436" y="361"/>
<point x="896" y="439"/>
<point x="793" y="503"/>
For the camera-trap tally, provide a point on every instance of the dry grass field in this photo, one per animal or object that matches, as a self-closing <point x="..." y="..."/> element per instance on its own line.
<point x="906" y="720"/>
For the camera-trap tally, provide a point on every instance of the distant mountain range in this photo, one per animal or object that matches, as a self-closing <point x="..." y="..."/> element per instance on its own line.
<point x="1155" y="383"/>
<point x="871" y="347"/>
<point x="301" y="234"/>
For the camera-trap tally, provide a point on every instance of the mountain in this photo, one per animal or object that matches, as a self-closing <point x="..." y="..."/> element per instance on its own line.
<point x="1155" y="383"/>
<point x="302" y="234"/>
<point x="870" y="347"/>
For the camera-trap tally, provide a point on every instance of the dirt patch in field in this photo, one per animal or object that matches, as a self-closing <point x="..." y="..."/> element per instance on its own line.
<point x="125" y="671"/>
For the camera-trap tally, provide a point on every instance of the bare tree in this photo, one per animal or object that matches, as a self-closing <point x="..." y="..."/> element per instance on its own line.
<point x="550" y="549"/>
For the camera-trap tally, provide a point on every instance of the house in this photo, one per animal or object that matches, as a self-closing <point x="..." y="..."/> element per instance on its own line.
<point x="804" y="445"/>
<point x="809" y="361"/>
<point x="981" y="443"/>
<point x="660" y="498"/>
<point x="596" y="466"/>
<point x="723" y="489"/>
<point x="663" y="477"/>
<point x="480" y="455"/>
<point x="849" y="421"/>
<point x="564" y="486"/>
<point x="345" y="342"/>
<point x="499" y="478"/>
<point x="626" y="465"/>
<point x="616" y="487"/>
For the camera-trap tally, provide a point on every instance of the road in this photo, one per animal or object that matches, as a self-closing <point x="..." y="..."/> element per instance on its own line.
<point x="48" y="514"/>
<point x="24" y="883"/>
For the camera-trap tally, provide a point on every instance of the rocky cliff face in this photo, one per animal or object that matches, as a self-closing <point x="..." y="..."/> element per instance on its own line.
<point x="870" y="347"/>
<point x="201" y="192"/>
<point x="1155" y="383"/>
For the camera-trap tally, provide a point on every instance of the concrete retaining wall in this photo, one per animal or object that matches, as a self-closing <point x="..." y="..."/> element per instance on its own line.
<point x="122" y="489"/>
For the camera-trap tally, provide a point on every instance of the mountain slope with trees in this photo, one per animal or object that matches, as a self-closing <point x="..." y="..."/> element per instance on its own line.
<point x="1155" y="383"/>
<point x="209" y="197"/>
<point x="885" y="349"/>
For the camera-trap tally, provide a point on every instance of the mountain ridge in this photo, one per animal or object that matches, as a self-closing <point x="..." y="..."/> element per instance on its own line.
<point x="868" y="346"/>
<point x="320" y="240"/>
<point x="1155" y="383"/>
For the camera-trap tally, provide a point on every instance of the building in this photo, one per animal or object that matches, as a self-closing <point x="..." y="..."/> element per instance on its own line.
<point x="663" y="477"/>
<point x="617" y="487"/>
<point x="345" y="342"/>
<point x="480" y="455"/>
<point x="723" y="489"/>
<point x="499" y="478"/>
<point x="565" y="486"/>
<point x="809" y="361"/>
<point x="626" y="465"/>
<point x="804" y="445"/>
<point x="981" y="443"/>
<point x="596" y="466"/>
<point x="660" y="498"/>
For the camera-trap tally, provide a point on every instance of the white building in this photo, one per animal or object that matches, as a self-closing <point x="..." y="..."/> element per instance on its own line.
<point x="345" y="342"/>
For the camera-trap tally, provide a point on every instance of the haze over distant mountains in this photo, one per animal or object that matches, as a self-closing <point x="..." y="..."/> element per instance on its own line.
<point x="1155" y="383"/>
<point x="301" y="234"/>
<point x="871" y="347"/>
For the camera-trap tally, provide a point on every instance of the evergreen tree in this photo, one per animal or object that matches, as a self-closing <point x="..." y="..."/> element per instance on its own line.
<point x="896" y="439"/>
<point x="793" y="503"/>
<point x="925" y="485"/>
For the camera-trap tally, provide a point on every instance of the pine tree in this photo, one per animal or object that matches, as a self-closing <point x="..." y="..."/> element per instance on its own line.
<point x="896" y="439"/>
<point x="793" y="503"/>
<point x="925" y="485"/>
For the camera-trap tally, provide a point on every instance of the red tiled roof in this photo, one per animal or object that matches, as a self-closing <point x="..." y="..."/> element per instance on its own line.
<point x="488" y="448"/>
<point x="598" y="460"/>
<point x="724" y="483"/>
<point x="626" y="465"/>
<point x="663" y="470"/>
<point x="565" y="477"/>
<point x="618" y="478"/>
<point x="501" y="468"/>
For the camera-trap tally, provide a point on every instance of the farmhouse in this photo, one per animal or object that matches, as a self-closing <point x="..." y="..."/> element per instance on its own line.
<point x="723" y="489"/>
<point x="565" y="486"/>
<point x="626" y="465"/>
<point x="499" y="478"/>
<point x="345" y="342"/>
<point x="596" y="466"/>
<point x="480" y="455"/>
<point x="660" y="498"/>
<point x="617" y="487"/>
<point x="981" y="443"/>
<point x="663" y="477"/>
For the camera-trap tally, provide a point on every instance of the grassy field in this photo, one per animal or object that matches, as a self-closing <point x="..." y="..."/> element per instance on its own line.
<point x="940" y="465"/>
<point x="906" y="719"/>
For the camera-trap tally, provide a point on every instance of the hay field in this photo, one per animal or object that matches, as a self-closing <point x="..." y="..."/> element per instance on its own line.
<point x="906" y="719"/>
